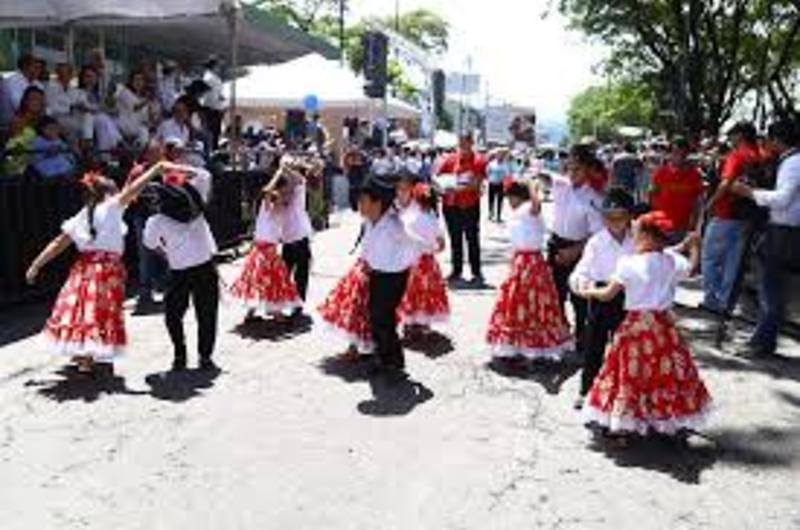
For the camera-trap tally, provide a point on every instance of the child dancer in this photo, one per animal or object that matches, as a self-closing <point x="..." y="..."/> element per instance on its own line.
<point x="595" y="269"/>
<point x="649" y="380"/>
<point x="87" y="323"/>
<point x="345" y="311"/>
<point x="425" y="301"/>
<point x="189" y="246"/>
<point x="264" y="283"/>
<point x="296" y="225"/>
<point x="389" y="252"/>
<point x="527" y="319"/>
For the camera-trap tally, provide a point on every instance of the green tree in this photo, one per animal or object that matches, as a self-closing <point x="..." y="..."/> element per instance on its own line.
<point x="700" y="58"/>
<point x="601" y="110"/>
<point x="303" y="14"/>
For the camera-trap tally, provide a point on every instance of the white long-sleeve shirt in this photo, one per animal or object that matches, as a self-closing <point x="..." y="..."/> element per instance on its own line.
<point x="387" y="246"/>
<point x="599" y="260"/>
<point x="784" y="201"/>
<point x="576" y="213"/>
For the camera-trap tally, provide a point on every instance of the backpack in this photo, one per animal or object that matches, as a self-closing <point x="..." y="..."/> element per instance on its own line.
<point x="761" y="174"/>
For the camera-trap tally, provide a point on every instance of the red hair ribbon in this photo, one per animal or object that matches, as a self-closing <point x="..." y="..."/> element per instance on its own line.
<point x="658" y="221"/>
<point x="90" y="178"/>
<point x="421" y="191"/>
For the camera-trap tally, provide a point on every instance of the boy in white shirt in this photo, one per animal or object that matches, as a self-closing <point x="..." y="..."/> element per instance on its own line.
<point x="183" y="235"/>
<point x="296" y="230"/>
<point x="595" y="269"/>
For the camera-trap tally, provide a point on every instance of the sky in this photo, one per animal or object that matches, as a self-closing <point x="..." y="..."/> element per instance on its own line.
<point x="525" y="58"/>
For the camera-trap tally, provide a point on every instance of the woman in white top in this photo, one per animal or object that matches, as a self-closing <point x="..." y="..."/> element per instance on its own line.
<point x="527" y="321"/>
<point x="133" y="109"/>
<point x="425" y="301"/>
<point x="87" y="323"/>
<point x="96" y="124"/>
<point x="649" y="381"/>
<point x="264" y="283"/>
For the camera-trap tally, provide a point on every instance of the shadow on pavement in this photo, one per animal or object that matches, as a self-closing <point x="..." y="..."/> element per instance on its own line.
<point x="761" y="447"/>
<point x="432" y="343"/>
<point x="777" y="366"/>
<point x="394" y="396"/>
<point x="274" y="330"/>
<point x="180" y="386"/>
<point x="551" y="375"/>
<point x="658" y="453"/>
<point x="350" y="370"/>
<point x="75" y="386"/>
<point x="20" y="322"/>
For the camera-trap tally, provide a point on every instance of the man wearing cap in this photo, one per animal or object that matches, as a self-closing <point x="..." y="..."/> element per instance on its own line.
<point x="723" y="244"/>
<point x="461" y="207"/>
<point x="595" y="269"/>
<point x="676" y="190"/>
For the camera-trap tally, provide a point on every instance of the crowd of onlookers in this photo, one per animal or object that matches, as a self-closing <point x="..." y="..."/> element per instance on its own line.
<point x="53" y="123"/>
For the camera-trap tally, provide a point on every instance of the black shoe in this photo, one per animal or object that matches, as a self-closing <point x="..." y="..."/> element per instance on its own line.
<point x="455" y="278"/>
<point x="477" y="281"/>
<point x="756" y="351"/>
<point x="179" y="365"/>
<point x="207" y="365"/>
<point x="578" y="404"/>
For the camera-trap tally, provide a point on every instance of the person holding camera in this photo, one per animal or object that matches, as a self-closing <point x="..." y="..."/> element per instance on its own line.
<point x="779" y="251"/>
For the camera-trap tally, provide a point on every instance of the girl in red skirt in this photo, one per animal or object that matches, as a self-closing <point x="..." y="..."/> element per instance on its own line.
<point x="87" y="323"/>
<point x="264" y="283"/>
<point x="425" y="301"/>
<point x="345" y="312"/>
<point x="527" y="321"/>
<point x="649" y="381"/>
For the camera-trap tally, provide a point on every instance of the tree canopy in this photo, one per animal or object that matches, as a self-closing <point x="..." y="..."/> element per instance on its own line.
<point x="600" y="110"/>
<point x="699" y="57"/>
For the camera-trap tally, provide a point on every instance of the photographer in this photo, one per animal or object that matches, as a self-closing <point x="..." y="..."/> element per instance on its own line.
<point x="779" y="249"/>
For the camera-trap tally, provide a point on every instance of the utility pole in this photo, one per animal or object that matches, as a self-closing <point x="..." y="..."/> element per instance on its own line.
<point x="397" y="16"/>
<point x="342" y="9"/>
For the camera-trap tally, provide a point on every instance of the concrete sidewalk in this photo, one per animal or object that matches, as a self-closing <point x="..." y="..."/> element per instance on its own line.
<point x="287" y="438"/>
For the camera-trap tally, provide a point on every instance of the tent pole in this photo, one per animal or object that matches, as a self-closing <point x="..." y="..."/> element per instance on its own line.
<point x="233" y="21"/>
<point x="70" y="44"/>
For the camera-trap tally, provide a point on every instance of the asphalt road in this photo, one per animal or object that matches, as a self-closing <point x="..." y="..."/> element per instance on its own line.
<point x="287" y="438"/>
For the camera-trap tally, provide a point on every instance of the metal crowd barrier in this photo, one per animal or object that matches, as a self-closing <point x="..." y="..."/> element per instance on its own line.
<point x="32" y="210"/>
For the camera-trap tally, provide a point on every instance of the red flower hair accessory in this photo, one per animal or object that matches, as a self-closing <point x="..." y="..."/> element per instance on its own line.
<point x="175" y="178"/>
<point x="421" y="191"/>
<point x="657" y="221"/>
<point x="89" y="179"/>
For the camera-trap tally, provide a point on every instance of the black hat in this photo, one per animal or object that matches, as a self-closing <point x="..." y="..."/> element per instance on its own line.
<point x="381" y="187"/>
<point x="617" y="200"/>
<point x="744" y="129"/>
<point x="180" y="203"/>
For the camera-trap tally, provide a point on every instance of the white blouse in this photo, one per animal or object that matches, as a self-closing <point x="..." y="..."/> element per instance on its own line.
<point x="109" y="226"/>
<point x="576" y="211"/>
<point x="526" y="229"/>
<point x="387" y="247"/>
<point x="268" y="224"/>
<point x="296" y="223"/>
<point x="126" y="106"/>
<point x="423" y="227"/>
<point x="651" y="279"/>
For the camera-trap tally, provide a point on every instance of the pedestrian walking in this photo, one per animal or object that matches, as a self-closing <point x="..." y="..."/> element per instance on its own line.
<point x="527" y="321"/>
<point x="649" y="381"/>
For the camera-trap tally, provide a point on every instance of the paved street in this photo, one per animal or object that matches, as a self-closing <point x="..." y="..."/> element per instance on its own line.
<point x="286" y="438"/>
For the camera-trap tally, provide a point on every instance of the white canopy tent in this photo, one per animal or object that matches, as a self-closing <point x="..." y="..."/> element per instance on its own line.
<point x="285" y="86"/>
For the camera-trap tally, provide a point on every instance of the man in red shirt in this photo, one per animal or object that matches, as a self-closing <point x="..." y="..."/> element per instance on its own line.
<point x="461" y="207"/>
<point x="676" y="189"/>
<point x="724" y="240"/>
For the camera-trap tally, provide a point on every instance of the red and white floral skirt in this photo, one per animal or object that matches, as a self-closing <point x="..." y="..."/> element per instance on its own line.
<point x="264" y="283"/>
<point x="527" y="319"/>
<point x="425" y="301"/>
<point x="649" y="380"/>
<point x="87" y="318"/>
<point x="346" y="310"/>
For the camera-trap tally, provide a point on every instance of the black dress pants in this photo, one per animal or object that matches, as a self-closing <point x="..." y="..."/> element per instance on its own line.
<point x="464" y="223"/>
<point x="496" y="201"/>
<point x="386" y="291"/>
<point x="201" y="284"/>
<point x="602" y="321"/>
<point x="297" y="257"/>
<point x="561" y="275"/>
